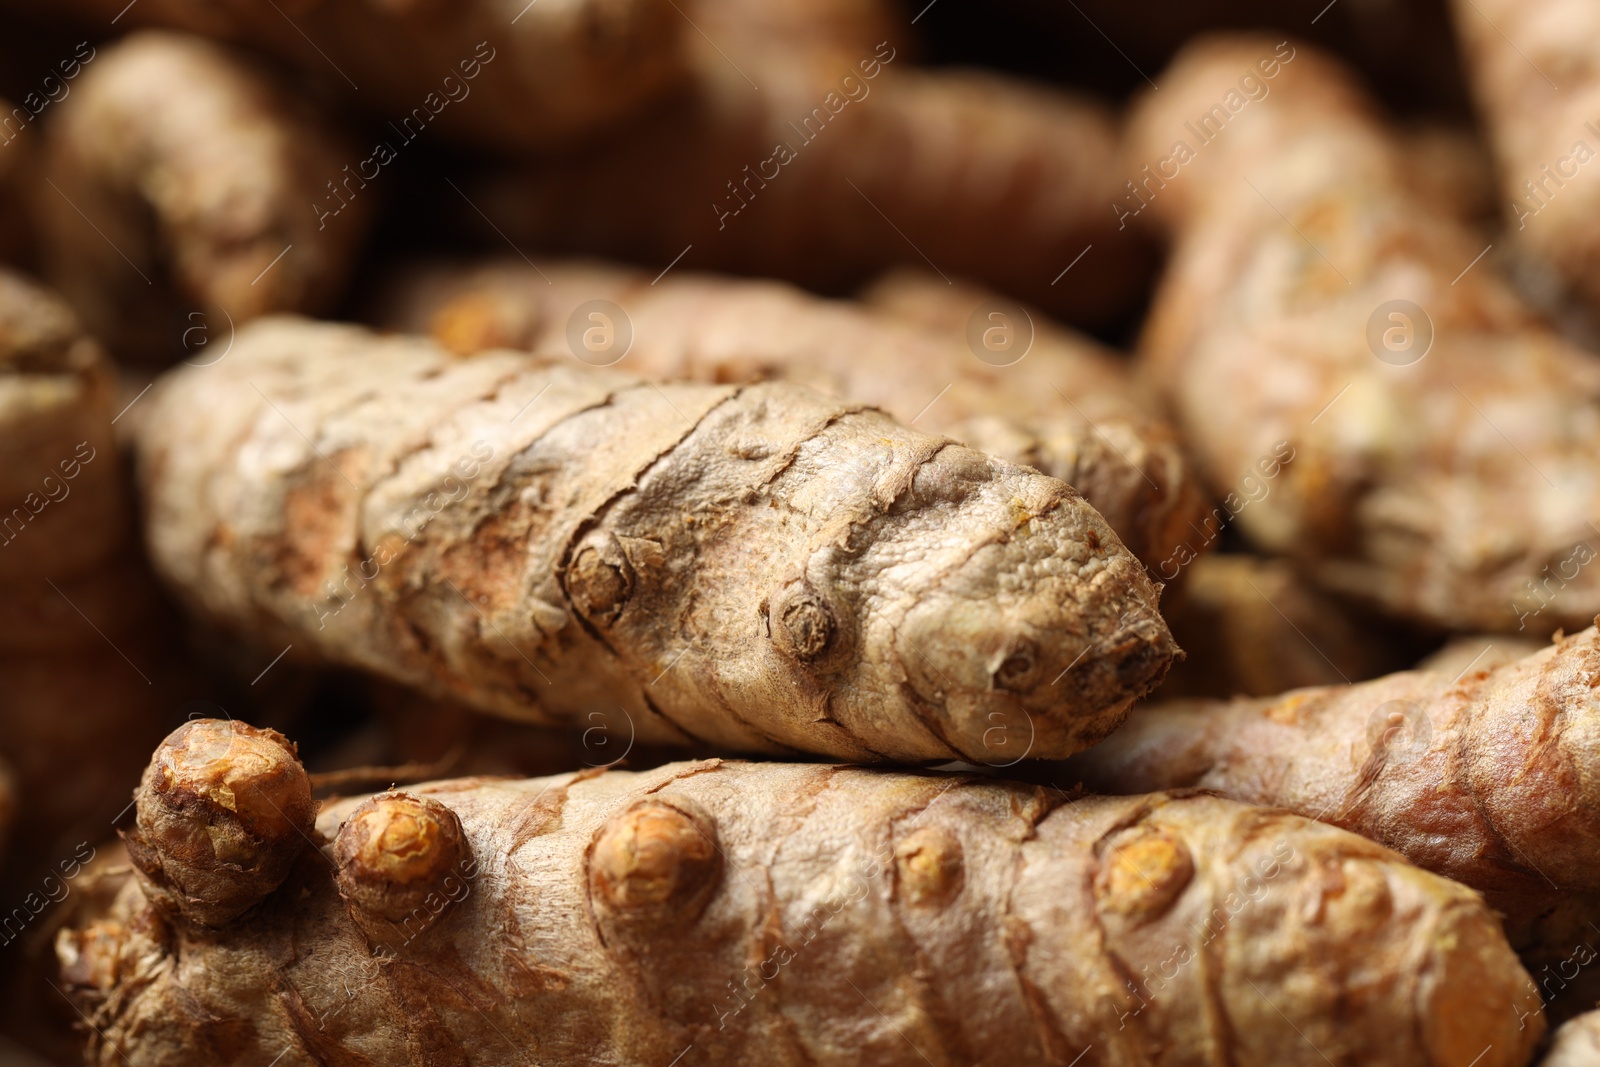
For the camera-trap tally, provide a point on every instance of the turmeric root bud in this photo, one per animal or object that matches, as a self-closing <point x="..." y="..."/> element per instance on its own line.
<point x="223" y="811"/>
<point x="655" y="862"/>
<point x="733" y="906"/>
<point x="403" y="860"/>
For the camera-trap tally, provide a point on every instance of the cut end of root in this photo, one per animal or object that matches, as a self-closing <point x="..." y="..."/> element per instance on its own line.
<point x="655" y="861"/>
<point x="403" y="860"/>
<point x="224" y="810"/>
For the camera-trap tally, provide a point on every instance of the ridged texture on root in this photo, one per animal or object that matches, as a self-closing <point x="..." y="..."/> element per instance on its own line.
<point x="758" y="567"/>
<point x="1450" y="482"/>
<point x="798" y="914"/>
<point x="1488" y="776"/>
<point x="397" y="853"/>
<point x="222" y="813"/>
<point x="1066" y="407"/>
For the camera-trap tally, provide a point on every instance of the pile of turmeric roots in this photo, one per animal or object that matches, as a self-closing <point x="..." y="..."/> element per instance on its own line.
<point x="673" y="532"/>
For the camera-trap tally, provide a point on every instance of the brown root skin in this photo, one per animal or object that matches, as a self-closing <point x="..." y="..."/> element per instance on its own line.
<point x="1537" y="123"/>
<point x="1402" y="493"/>
<point x="766" y="913"/>
<point x="1068" y="407"/>
<point x="67" y="554"/>
<point x="90" y="667"/>
<point x="1490" y="777"/>
<point x="495" y="79"/>
<point x="222" y="813"/>
<point x="58" y="390"/>
<point x="1576" y="1044"/>
<point x="402" y="860"/>
<point x="202" y="168"/>
<point x="1111" y="440"/>
<point x="742" y="177"/>
<point x="796" y="573"/>
<point x="1477" y="652"/>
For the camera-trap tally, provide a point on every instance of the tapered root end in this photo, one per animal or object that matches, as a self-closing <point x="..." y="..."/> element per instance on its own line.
<point x="223" y="811"/>
<point x="1466" y="994"/>
<point x="655" y="862"/>
<point x="403" y="860"/>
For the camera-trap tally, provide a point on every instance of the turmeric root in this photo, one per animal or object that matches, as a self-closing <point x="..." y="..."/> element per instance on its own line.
<point x="90" y="679"/>
<point x="838" y="169"/>
<point x="1576" y="1044"/>
<point x="757" y="567"/>
<point x="222" y="812"/>
<point x="72" y="589"/>
<point x="1444" y="439"/>
<point x="1064" y="405"/>
<point x="1531" y="66"/>
<point x="807" y="150"/>
<point x="1490" y="776"/>
<point x="185" y="184"/>
<point x="1114" y="423"/>
<point x="537" y="74"/>
<point x="1482" y="652"/>
<point x="764" y="912"/>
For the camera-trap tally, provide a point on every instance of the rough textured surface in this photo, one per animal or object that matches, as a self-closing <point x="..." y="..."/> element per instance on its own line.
<point x="396" y="853"/>
<point x="759" y="567"/>
<point x="1532" y="68"/>
<point x="221" y="813"/>
<point x="537" y="75"/>
<point x="826" y="176"/>
<point x="1491" y="777"/>
<point x="1487" y="776"/>
<point x="796" y="914"/>
<point x="1064" y="406"/>
<point x="1577" y="1044"/>
<point x="182" y="172"/>
<point x="1457" y="488"/>
<point x="1253" y="627"/>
